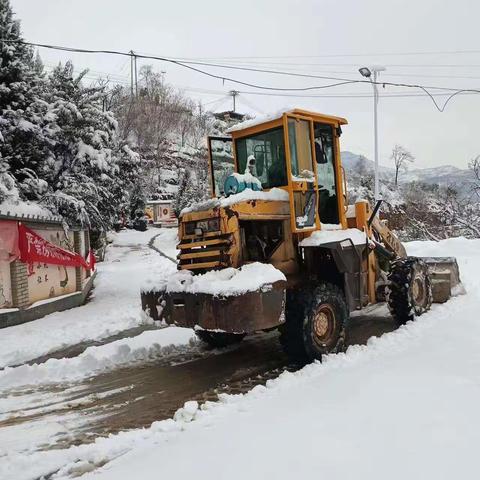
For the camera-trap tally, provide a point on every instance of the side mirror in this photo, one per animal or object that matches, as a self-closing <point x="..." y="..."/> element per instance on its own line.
<point x="320" y="154"/>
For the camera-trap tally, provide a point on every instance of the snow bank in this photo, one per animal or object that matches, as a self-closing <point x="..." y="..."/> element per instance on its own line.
<point x="275" y="194"/>
<point x="321" y="237"/>
<point x="115" y="305"/>
<point x="144" y="347"/>
<point x="225" y="283"/>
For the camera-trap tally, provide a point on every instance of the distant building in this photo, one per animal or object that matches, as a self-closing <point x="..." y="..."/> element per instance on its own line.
<point x="160" y="213"/>
<point x="229" y="115"/>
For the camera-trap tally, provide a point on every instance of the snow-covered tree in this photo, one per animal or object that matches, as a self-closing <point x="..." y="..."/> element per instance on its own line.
<point x="24" y="142"/>
<point x="86" y="169"/>
<point x="475" y="168"/>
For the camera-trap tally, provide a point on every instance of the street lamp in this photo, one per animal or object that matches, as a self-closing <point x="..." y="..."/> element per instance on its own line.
<point x="367" y="73"/>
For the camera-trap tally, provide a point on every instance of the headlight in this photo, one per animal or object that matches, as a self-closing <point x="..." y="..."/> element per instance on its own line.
<point x="189" y="228"/>
<point x="202" y="226"/>
<point x="214" y="225"/>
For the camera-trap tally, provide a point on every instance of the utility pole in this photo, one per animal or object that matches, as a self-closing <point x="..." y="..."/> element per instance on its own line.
<point x="233" y="94"/>
<point x="136" y="77"/>
<point x="133" y="74"/>
<point x="367" y="73"/>
<point x="375" y="133"/>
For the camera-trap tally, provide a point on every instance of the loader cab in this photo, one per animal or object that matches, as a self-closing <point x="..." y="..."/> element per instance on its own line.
<point x="298" y="152"/>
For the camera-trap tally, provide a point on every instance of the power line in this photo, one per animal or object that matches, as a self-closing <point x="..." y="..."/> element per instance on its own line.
<point x="188" y="65"/>
<point x="333" y="55"/>
<point x="351" y="95"/>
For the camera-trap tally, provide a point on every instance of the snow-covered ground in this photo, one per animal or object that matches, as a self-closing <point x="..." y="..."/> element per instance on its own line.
<point x="115" y="305"/>
<point x="45" y="391"/>
<point x="403" y="406"/>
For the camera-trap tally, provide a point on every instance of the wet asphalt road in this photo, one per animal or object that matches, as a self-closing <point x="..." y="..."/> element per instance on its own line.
<point x="136" y="396"/>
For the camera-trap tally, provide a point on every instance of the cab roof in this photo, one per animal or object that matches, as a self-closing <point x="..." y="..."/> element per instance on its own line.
<point x="277" y="115"/>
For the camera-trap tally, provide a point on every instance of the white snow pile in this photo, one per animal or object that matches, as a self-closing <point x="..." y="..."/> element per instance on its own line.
<point x="321" y="237"/>
<point x="114" y="306"/>
<point x="275" y="194"/>
<point x="144" y="347"/>
<point x="246" y="177"/>
<point x="304" y="176"/>
<point x="221" y="283"/>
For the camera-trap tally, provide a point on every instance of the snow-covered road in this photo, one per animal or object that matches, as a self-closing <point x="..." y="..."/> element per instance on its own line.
<point x="115" y="305"/>
<point x="403" y="406"/>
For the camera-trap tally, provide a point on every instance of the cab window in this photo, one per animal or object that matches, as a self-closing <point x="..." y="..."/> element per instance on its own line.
<point x="326" y="178"/>
<point x="222" y="163"/>
<point x="300" y="150"/>
<point x="268" y="148"/>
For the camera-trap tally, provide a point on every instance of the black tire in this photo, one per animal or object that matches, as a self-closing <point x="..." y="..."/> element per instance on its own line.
<point x="291" y="332"/>
<point x="315" y="323"/>
<point x="219" y="339"/>
<point x="409" y="293"/>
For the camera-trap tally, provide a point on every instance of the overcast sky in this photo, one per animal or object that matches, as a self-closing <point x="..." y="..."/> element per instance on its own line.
<point x="320" y="37"/>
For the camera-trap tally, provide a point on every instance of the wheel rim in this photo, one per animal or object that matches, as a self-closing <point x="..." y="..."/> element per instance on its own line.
<point x="418" y="291"/>
<point x="323" y="324"/>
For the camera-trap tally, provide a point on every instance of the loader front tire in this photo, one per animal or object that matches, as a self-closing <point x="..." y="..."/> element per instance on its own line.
<point x="316" y="324"/>
<point x="219" y="339"/>
<point x="409" y="293"/>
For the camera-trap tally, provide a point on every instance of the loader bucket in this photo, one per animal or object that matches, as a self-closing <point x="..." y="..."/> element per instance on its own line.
<point x="444" y="276"/>
<point x="247" y="313"/>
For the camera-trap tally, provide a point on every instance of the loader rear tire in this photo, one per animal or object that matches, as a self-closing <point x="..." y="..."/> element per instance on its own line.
<point x="219" y="339"/>
<point x="315" y="323"/>
<point x="409" y="293"/>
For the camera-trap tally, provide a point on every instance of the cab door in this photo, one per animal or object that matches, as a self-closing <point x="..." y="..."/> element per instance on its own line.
<point x="302" y="173"/>
<point x="221" y="163"/>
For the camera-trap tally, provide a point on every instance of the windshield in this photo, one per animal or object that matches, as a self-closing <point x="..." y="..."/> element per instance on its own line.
<point x="268" y="148"/>
<point x="327" y="182"/>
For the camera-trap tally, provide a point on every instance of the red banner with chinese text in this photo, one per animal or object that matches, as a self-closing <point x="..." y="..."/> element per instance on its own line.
<point x="34" y="248"/>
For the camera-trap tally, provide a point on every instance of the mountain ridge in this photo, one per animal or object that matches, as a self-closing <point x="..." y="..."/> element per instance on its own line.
<point x="444" y="175"/>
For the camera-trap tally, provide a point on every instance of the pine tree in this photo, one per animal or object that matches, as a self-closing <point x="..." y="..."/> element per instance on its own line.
<point x="82" y="170"/>
<point x="23" y="143"/>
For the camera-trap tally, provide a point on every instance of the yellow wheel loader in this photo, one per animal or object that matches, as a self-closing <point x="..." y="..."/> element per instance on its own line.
<point x="279" y="199"/>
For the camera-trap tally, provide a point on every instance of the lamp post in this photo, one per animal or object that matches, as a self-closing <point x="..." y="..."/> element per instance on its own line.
<point x="367" y="73"/>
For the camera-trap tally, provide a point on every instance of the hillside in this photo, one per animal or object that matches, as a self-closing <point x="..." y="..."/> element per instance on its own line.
<point x="445" y="176"/>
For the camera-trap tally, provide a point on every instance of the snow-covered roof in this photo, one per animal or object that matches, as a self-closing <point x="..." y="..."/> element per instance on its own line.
<point x="275" y="194"/>
<point x="321" y="237"/>
<point x="27" y="210"/>
<point x="258" y="120"/>
<point x="158" y="202"/>
<point x="278" y="114"/>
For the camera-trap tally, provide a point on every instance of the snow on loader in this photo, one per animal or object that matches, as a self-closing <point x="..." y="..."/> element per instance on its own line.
<point x="278" y="246"/>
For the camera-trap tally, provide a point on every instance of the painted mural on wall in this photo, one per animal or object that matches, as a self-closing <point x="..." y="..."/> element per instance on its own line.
<point x="47" y="280"/>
